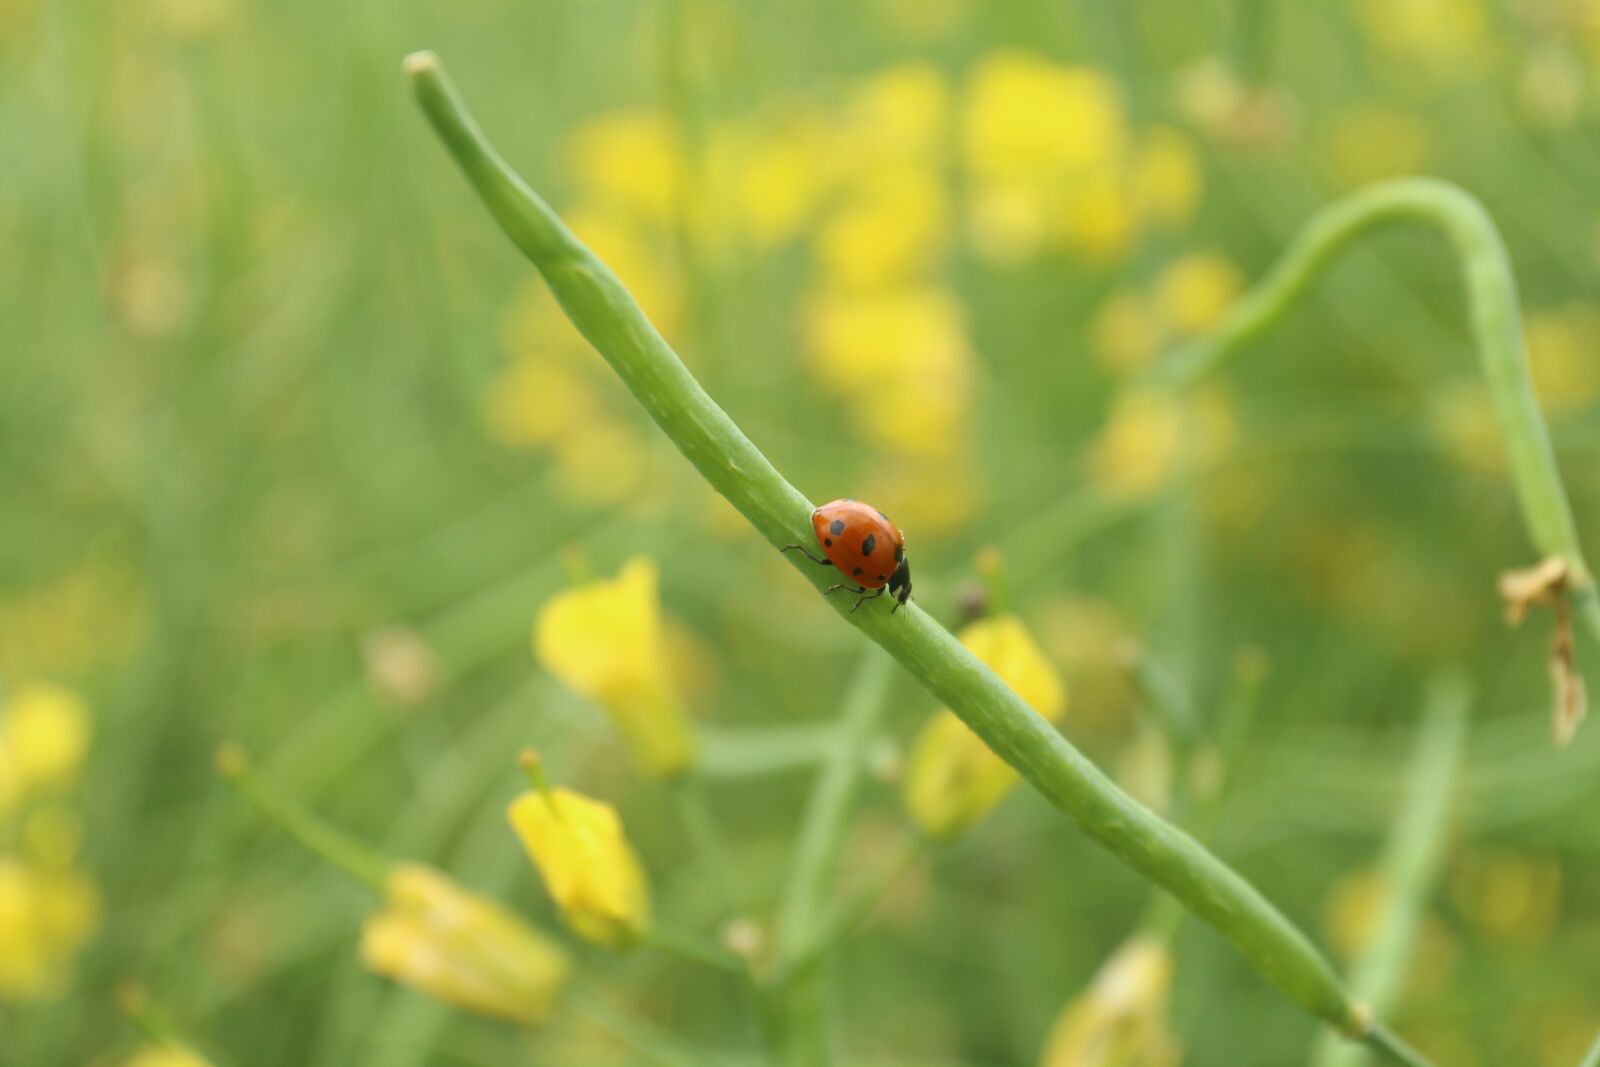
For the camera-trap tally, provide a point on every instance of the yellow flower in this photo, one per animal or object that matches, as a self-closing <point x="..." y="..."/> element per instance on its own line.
<point x="1139" y="446"/>
<point x="1125" y="334"/>
<point x="953" y="779"/>
<point x="1425" y="28"/>
<point x="889" y="226"/>
<point x="45" y="918"/>
<point x="1028" y="117"/>
<point x="166" y="1054"/>
<point x="44" y="734"/>
<point x="1121" y="1019"/>
<point x="460" y="948"/>
<point x="1367" y="144"/>
<point x="778" y="178"/>
<point x="601" y="462"/>
<point x="1562" y="344"/>
<point x="534" y="400"/>
<point x="603" y="640"/>
<point x="1193" y="291"/>
<point x="1149" y="431"/>
<point x="1045" y="150"/>
<point x="898" y="115"/>
<point x="1166" y="177"/>
<point x="587" y="864"/>
<point x="915" y="340"/>
<point x="631" y="160"/>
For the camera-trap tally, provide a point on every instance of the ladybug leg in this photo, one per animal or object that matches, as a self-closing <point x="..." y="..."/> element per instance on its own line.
<point x="803" y="551"/>
<point x="835" y="587"/>
<point x="874" y="595"/>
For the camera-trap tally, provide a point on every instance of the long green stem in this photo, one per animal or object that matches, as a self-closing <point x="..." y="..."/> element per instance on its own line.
<point x="328" y="842"/>
<point x="1411" y="859"/>
<point x="1496" y="326"/>
<point x="611" y="320"/>
<point x="797" y="1004"/>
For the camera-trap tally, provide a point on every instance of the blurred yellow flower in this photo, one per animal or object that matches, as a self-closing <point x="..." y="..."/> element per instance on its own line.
<point x="779" y="176"/>
<point x="1354" y="908"/>
<point x="46" y="916"/>
<point x="166" y="1054"/>
<point x="1193" y="291"/>
<point x="953" y="779"/>
<point x="1121" y="1020"/>
<point x="1098" y="215"/>
<point x="1166" y="177"/>
<point x="898" y="115"/>
<point x="1460" y="418"/>
<point x="630" y="160"/>
<point x="1149" y="431"/>
<point x="534" y="400"/>
<point x="900" y="357"/>
<point x="1227" y="109"/>
<point x="890" y="225"/>
<point x="600" y="462"/>
<point x="1025" y="116"/>
<point x="587" y="864"/>
<point x="460" y="948"/>
<point x="1140" y="443"/>
<point x="1426" y="28"/>
<point x="1562" y="347"/>
<point x="44" y="735"/>
<point x="603" y="640"/>
<point x="1367" y="144"/>
<point x="1507" y="895"/>
<point x="1125" y="333"/>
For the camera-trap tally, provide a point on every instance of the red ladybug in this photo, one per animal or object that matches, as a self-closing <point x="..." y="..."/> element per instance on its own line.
<point x="868" y="548"/>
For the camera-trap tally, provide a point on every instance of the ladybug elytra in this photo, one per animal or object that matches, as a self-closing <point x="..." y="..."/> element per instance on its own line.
<point x="865" y="546"/>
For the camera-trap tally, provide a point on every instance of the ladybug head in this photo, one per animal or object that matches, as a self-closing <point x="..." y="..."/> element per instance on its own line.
<point x="900" y="584"/>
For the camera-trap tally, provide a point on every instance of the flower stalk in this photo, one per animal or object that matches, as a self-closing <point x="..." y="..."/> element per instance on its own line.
<point x="1497" y="333"/>
<point x="1412" y="857"/>
<point x="604" y="312"/>
<point x="322" y="839"/>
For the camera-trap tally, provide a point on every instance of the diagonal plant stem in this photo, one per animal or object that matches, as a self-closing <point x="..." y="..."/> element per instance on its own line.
<point x="605" y="313"/>
<point x="1411" y="857"/>
<point x="1496" y="327"/>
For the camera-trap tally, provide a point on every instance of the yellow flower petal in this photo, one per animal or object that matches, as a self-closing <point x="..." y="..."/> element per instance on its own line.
<point x="603" y="640"/>
<point x="461" y="948"/>
<point x="587" y="864"/>
<point x="1121" y="1019"/>
<point x="44" y="734"/>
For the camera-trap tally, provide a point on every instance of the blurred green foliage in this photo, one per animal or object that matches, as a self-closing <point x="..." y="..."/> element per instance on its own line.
<point x="252" y="335"/>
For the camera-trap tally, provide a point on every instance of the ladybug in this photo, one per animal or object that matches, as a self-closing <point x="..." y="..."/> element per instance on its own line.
<point x="868" y="548"/>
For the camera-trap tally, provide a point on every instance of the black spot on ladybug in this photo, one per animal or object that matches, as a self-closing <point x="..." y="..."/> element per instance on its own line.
<point x="899" y="553"/>
<point x="883" y="578"/>
<point x="827" y="542"/>
<point x="869" y="544"/>
<point x="857" y="571"/>
<point x="836" y="527"/>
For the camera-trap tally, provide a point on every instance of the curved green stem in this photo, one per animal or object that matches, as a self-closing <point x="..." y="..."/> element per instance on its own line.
<point x="611" y="320"/>
<point x="1496" y="327"/>
<point x="1412" y="857"/>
